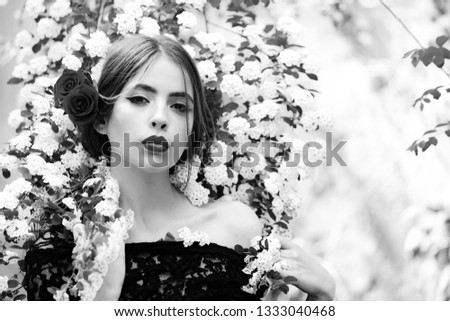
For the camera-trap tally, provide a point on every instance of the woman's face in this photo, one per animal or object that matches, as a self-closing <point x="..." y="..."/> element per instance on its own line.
<point x="152" y="107"/>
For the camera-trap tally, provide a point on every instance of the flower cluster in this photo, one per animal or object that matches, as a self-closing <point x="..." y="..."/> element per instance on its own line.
<point x="263" y="263"/>
<point x="257" y="91"/>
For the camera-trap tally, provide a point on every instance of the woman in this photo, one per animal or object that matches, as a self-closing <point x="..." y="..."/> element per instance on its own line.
<point x="151" y="114"/>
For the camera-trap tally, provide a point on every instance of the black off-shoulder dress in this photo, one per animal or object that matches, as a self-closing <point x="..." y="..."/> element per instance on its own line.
<point x="161" y="270"/>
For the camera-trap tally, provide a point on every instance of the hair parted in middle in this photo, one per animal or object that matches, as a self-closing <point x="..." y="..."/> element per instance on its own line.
<point x="124" y="59"/>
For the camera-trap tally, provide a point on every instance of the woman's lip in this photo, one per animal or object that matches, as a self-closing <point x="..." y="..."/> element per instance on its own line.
<point x="159" y="148"/>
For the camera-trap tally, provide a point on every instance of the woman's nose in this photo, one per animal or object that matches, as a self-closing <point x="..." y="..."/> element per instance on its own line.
<point x="159" y="124"/>
<point x="159" y="119"/>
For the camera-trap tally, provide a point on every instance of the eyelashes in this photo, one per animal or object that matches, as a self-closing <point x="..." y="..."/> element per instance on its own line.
<point x="140" y="100"/>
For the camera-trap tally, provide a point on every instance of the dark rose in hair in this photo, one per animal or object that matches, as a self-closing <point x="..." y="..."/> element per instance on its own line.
<point x="81" y="104"/>
<point x="68" y="81"/>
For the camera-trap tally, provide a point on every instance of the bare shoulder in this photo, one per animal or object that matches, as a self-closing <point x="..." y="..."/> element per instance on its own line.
<point x="239" y="220"/>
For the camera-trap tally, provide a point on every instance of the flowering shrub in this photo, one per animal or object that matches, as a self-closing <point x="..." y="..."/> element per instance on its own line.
<point x="254" y="88"/>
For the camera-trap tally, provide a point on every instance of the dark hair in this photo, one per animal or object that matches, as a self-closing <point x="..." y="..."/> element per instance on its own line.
<point x="123" y="61"/>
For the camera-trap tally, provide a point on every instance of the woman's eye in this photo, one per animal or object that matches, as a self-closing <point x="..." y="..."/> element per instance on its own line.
<point x="179" y="107"/>
<point x="138" y="100"/>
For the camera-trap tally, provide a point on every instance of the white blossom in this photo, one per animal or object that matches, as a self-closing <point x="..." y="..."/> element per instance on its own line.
<point x="44" y="81"/>
<point x="48" y="28"/>
<point x="59" y="9"/>
<point x="149" y="27"/>
<point x="227" y="63"/>
<point x="98" y="44"/>
<point x="197" y="194"/>
<point x="57" y="51"/>
<point x="106" y="208"/>
<point x="187" y="19"/>
<point x="111" y="190"/>
<point x="249" y="93"/>
<point x="253" y="34"/>
<point x="38" y="65"/>
<point x="8" y="161"/>
<point x="23" y="39"/>
<point x="75" y="42"/>
<point x="238" y="125"/>
<point x="268" y="89"/>
<point x="311" y="64"/>
<point x="69" y="202"/>
<point x="72" y="62"/>
<point x="8" y="200"/>
<point x="18" y="187"/>
<point x="190" y="50"/>
<point x="290" y="27"/>
<point x="21" y="71"/>
<point x="326" y="121"/>
<point x="213" y="41"/>
<point x="24" y="213"/>
<point x="207" y="70"/>
<point x="125" y="24"/>
<point x="97" y="70"/>
<point x="18" y="228"/>
<point x="251" y="70"/>
<point x="267" y="108"/>
<point x="21" y="141"/>
<point x="61" y="295"/>
<point x="79" y="28"/>
<point x="35" y="164"/>
<point x="3" y="283"/>
<point x="216" y="175"/>
<point x="273" y="182"/>
<point x="232" y="85"/>
<point x="299" y="96"/>
<point x="4" y="223"/>
<point x="41" y="105"/>
<point x="61" y="119"/>
<point x="15" y="118"/>
<point x="45" y="138"/>
<point x="188" y="237"/>
<point x="133" y="9"/>
<point x="34" y="8"/>
<point x="290" y="57"/>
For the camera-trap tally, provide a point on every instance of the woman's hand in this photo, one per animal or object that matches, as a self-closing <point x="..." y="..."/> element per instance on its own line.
<point x="113" y="281"/>
<point x="312" y="277"/>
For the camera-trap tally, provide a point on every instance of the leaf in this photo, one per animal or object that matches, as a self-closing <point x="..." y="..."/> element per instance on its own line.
<point x="20" y="297"/>
<point x="239" y="249"/>
<point x="312" y="76"/>
<point x="290" y="279"/>
<point x="26" y="113"/>
<point x="409" y="53"/>
<point x="431" y="141"/>
<point x="13" y="283"/>
<point x="214" y="3"/>
<point x="441" y="40"/>
<point x="6" y="173"/>
<point x="268" y="28"/>
<point x="14" y="81"/>
<point x="284" y="288"/>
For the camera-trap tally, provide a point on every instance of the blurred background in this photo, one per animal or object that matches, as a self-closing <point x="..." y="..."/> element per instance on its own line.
<point x="381" y="224"/>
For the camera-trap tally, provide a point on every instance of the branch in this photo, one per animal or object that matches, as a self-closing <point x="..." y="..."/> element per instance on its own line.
<point x="100" y="14"/>
<point x="407" y="29"/>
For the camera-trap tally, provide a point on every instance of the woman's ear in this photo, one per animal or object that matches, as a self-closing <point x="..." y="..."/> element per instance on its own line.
<point x="101" y="126"/>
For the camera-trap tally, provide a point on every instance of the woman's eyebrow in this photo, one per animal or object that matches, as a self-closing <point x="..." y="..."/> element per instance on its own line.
<point x="149" y="88"/>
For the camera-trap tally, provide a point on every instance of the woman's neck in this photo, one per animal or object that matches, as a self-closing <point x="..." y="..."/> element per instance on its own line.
<point x="151" y="196"/>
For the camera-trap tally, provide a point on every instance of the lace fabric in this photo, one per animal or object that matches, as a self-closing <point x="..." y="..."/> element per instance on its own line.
<point x="162" y="270"/>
